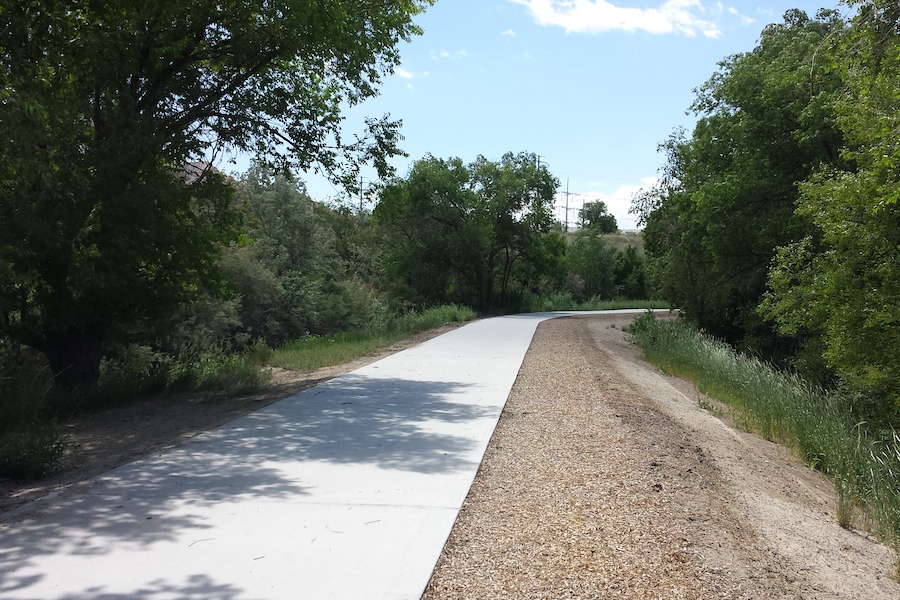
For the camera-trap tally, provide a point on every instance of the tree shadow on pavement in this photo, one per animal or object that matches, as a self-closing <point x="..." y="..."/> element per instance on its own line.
<point x="410" y="426"/>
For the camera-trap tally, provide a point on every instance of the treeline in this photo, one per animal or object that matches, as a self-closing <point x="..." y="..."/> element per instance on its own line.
<point x="278" y="266"/>
<point x="129" y="266"/>
<point x="776" y="225"/>
<point x="484" y="235"/>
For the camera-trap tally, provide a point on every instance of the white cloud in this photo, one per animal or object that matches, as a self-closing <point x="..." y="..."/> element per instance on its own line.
<point x="597" y="16"/>
<point x="435" y="55"/>
<point x="401" y="72"/>
<point x="744" y="18"/>
<point x="509" y="33"/>
<point x="618" y="202"/>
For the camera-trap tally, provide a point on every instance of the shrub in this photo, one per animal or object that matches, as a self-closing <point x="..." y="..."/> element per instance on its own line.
<point x="214" y="369"/>
<point x="30" y="451"/>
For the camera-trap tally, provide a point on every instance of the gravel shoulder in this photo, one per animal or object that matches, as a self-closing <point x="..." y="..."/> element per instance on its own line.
<point x="606" y="479"/>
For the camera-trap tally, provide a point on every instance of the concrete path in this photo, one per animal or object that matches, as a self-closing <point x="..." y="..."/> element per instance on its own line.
<point x="345" y="491"/>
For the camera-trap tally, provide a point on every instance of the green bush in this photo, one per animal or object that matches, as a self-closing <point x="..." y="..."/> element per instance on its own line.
<point x="213" y="369"/>
<point x="30" y="451"/>
<point x="30" y="444"/>
<point x="430" y="318"/>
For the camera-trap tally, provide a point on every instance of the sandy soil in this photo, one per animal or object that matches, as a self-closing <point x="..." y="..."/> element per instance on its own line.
<point x="604" y="479"/>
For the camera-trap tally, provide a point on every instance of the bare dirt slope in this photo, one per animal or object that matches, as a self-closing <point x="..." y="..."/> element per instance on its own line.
<point x="605" y="479"/>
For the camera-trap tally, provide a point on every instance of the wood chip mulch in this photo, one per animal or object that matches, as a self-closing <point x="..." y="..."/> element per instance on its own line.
<point x="587" y="490"/>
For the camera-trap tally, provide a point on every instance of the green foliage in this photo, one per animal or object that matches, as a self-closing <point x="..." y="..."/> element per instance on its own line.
<point x="826" y="429"/>
<point x="594" y="215"/>
<point x="592" y="262"/>
<point x="467" y="233"/>
<point x="30" y="451"/>
<point x="431" y="318"/>
<point x="566" y="301"/>
<point x="105" y="217"/>
<point x="218" y="372"/>
<point x="841" y="283"/>
<point x="602" y="266"/>
<point x="304" y="270"/>
<point x="31" y="445"/>
<point x="727" y="199"/>
<point x="630" y="274"/>
<point x="316" y="352"/>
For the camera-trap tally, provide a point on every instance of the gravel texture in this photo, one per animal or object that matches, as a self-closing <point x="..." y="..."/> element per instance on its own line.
<point x="605" y="479"/>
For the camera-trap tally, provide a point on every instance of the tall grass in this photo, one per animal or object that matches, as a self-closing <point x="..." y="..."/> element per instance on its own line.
<point x="316" y="352"/>
<point x="820" y="427"/>
<point x="31" y="445"/>
<point x="565" y="301"/>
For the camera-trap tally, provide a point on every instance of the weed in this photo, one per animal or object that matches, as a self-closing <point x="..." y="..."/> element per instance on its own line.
<point x="710" y="407"/>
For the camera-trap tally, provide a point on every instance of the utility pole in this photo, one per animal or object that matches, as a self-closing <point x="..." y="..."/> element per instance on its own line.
<point x="567" y="205"/>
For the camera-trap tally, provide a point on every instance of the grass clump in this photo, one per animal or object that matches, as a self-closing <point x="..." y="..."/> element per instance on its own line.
<point x="31" y="445"/>
<point x="219" y="372"/>
<point x="825" y="429"/>
<point x="315" y="352"/>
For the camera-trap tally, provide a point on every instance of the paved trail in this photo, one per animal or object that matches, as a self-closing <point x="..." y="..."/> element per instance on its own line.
<point x="603" y="480"/>
<point x="347" y="490"/>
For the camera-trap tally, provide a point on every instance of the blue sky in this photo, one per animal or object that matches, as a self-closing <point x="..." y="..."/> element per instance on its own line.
<point x="591" y="86"/>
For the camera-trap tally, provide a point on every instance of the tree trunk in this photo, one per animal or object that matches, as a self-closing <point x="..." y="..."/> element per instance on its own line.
<point x="74" y="357"/>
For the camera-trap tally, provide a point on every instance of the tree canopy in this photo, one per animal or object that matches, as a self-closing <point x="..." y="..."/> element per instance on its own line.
<point x="103" y="105"/>
<point x="841" y="282"/>
<point x="727" y="198"/>
<point x="776" y="222"/>
<point x="469" y="233"/>
<point x="595" y="215"/>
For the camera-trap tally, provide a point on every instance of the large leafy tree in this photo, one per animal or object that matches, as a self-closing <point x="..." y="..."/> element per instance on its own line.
<point x="727" y="198"/>
<point x="469" y="233"/>
<point x="102" y="104"/>
<point x="841" y="283"/>
<point x="595" y="215"/>
<point x="592" y="261"/>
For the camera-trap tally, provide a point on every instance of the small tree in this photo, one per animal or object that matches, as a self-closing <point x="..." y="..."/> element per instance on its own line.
<point x="593" y="261"/>
<point x="594" y="215"/>
<point x="458" y="232"/>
